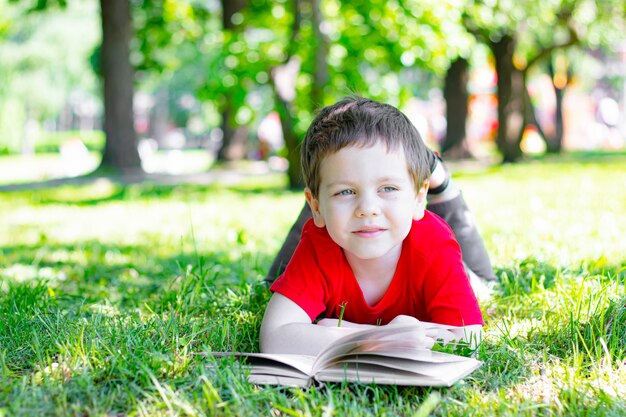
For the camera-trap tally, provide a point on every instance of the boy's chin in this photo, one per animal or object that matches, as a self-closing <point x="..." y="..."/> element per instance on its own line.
<point x="372" y="254"/>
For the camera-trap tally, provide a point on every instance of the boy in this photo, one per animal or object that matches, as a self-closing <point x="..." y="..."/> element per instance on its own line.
<point x="371" y="254"/>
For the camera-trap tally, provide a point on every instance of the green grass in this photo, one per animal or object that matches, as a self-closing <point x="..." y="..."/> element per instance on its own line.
<point x="107" y="294"/>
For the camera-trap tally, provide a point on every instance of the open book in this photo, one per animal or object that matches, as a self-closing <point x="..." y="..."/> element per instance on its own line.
<point x="382" y="356"/>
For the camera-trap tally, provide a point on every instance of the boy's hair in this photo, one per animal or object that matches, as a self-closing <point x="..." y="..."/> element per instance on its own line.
<point x="361" y="122"/>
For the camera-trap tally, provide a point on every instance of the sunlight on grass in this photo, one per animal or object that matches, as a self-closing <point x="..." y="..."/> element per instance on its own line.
<point x="16" y="169"/>
<point x="560" y="213"/>
<point x="40" y="167"/>
<point x="109" y="294"/>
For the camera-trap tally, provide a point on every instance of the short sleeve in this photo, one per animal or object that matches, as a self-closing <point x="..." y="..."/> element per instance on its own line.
<point x="303" y="281"/>
<point x="448" y="293"/>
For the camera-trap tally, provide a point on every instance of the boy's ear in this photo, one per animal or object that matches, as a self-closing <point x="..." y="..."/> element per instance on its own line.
<point x="314" y="204"/>
<point x="420" y="201"/>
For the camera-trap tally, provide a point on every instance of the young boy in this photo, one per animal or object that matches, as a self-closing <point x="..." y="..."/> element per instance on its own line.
<point x="371" y="254"/>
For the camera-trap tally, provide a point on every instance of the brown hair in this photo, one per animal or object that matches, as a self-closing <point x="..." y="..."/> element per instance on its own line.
<point x="357" y="121"/>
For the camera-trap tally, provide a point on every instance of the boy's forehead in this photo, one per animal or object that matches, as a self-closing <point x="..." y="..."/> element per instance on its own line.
<point x="364" y="144"/>
<point x="375" y="158"/>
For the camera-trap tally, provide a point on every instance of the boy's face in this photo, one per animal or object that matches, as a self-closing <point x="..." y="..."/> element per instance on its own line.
<point x="367" y="200"/>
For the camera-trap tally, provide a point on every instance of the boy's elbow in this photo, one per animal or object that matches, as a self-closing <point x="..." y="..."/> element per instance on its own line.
<point x="263" y="347"/>
<point x="271" y="337"/>
<point x="265" y="344"/>
<point x="266" y="339"/>
<point x="277" y="332"/>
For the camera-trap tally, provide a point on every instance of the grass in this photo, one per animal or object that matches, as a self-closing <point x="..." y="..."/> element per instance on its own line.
<point x="108" y="292"/>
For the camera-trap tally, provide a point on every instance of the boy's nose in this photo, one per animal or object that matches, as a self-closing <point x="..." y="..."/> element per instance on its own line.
<point x="367" y="207"/>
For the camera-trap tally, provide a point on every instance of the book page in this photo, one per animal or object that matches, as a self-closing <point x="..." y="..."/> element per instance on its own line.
<point x="302" y="364"/>
<point x="385" y="338"/>
<point x="434" y="374"/>
<point x="439" y="369"/>
<point x="421" y="355"/>
<point x="269" y="379"/>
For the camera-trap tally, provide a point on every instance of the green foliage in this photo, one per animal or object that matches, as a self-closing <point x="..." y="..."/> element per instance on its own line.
<point x="540" y="25"/>
<point x="387" y="50"/>
<point x="44" y="64"/>
<point x="39" y="5"/>
<point x="235" y="66"/>
<point x="111" y="294"/>
<point x="5" y="21"/>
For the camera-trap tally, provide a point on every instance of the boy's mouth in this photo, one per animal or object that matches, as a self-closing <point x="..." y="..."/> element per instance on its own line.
<point x="369" y="232"/>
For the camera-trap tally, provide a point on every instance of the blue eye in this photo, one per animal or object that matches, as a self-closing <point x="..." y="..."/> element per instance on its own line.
<point x="389" y="189"/>
<point x="345" y="192"/>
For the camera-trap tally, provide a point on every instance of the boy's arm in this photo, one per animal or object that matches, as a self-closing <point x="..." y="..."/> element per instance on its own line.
<point x="287" y="328"/>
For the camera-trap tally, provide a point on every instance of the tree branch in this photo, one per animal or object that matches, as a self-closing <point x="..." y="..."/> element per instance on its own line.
<point x="545" y="52"/>
<point x="295" y="31"/>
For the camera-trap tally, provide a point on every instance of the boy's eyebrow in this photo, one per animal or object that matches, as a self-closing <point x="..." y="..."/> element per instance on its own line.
<point x="336" y="183"/>
<point x="391" y="179"/>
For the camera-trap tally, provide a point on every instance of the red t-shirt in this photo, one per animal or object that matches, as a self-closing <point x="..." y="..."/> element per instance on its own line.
<point x="429" y="283"/>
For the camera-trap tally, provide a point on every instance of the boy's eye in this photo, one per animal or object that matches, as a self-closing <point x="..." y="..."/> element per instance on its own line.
<point x="388" y="189"/>
<point x="345" y="192"/>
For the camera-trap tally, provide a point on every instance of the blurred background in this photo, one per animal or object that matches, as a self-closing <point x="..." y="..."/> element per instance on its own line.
<point x="184" y="86"/>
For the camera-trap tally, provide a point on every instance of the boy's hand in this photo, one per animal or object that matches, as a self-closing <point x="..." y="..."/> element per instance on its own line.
<point x="434" y="334"/>
<point x="442" y="335"/>
<point x="403" y="320"/>
<point x="419" y="337"/>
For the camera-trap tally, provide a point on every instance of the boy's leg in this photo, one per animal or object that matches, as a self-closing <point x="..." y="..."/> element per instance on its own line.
<point x="444" y="199"/>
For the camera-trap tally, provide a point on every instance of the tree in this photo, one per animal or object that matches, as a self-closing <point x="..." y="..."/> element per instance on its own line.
<point x="375" y="49"/>
<point x="234" y="137"/>
<point x="284" y="78"/>
<point x="120" y="149"/>
<point x="456" y="96"/>
<point x="497" y="27"/>
<point x="511" y="99"/>
<point x="560" y="78"/>
<point x="523" y="33"/>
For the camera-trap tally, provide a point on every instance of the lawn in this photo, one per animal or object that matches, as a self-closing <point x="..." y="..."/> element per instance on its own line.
<point x="109" y="294"/>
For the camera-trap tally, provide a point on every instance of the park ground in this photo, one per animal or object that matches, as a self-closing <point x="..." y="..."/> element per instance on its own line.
<point x="111" y="291"/>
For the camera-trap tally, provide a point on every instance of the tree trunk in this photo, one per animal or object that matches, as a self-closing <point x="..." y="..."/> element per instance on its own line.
<point x="234" y="138"/>
<point x="120" y="151"/>
<point x="511" y="100"/>
<point x="553" y="140"/>
<point x="284" y="83"/>
<point x="320" y="76"/>
<point x="456" y="97"/>
<point x="294" y="172"/>
<point x="554" y="144"/>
